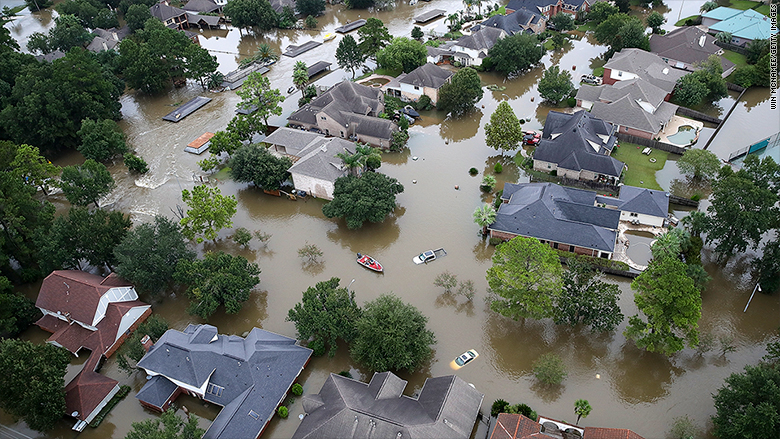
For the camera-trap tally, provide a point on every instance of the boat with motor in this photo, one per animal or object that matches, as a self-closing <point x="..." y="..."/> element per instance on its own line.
<point x="369" y="262"/>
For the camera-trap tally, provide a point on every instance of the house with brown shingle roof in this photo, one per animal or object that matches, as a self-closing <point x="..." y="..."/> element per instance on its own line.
<point x="516" y="426"/>
<point x="87" y="394"/>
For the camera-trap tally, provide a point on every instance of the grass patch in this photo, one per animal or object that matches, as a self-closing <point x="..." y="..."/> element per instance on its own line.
<point x="388" y="72"/>
<point x="587" y="27"/>
<point x="598" y="71"/>
<point x="681" y="22"/>
<point x="737" y="58"/>
<point x="641" y="172"/>
<point x="744" y="4"/>
<point x="763" y="9"/>
<point x="548" y="45"/>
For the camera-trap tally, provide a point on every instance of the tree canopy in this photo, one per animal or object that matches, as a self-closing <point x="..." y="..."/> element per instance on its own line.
<point x="101" y="140"/>
<point x="33" y="387"/>
<point x="512" y="55"/>
<point x="621" y="31"/>
<point x="348" y="54"/>
<point x="525" y="279"/>
<point x="217" y="279"/>
<point x="67" y="33"/>
<point x="209" y="212"/>
<point x="699" y="164"/>
<point x="257" y="92"/>
<point x="704" y="85"/>
<point x="748" y="404"/>
<point x="173" y="427"/>
<point x="370" y="197"/>
<point x="585" y="298"/>
<point x="17" y="312"/>
<point x="84" y="184"/>
<point x="392" y="335"/>
<point x="148" y="254"/>
<point x="313" y="8"/>
<point x="600" y="11"/>
<point x="402" y="54"/>
<point x="555" y="84"/>
<point x="462" y="92"/>
<point x="248" y="13"/>
<point x="654" y="21"/>
<point x="562" y="21"/>
<point x="325" y="314"/>
<point x="253" y="163"/>
<point x="504" y="131"/>
<point x="373" y="37"/>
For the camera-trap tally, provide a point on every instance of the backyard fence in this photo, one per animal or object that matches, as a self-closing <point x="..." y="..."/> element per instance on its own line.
<point x="683" y="201"/>
<point x="668" y="147"/>
<point x="698" y="115"/>
<point x="537" y="176"/>
<point x="732" y="47"/>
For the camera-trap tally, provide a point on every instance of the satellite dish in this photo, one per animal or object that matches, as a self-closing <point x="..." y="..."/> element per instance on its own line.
<point x="75" y="414"/>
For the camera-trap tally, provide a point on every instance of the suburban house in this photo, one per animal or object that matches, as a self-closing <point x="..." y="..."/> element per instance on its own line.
<point x="205" y="6"/>
<point x="636" y="63"/>
<point x="744" y="26"/>
<point x="315" y="164"/>
<point x="86" y="311"/>
<point x="548" y="8"/>
<point x="517" y="426"/>
<point x="567" y="219"/>
<point x="424" y="80"/>
<point x="87" y="394"/>
<point x="521" y="20"/>
<point x="470" y="50"/>
<point x="248" y="377"/>
<point x="278" y="5"/>
<point x="578" y="146"/>
<point x="446" y="407"/>
<point x="180" y="19"/>
<point x="638" y="107"/>
<point x="348" y="110"/>
<point x="686" y="47"/>
<point x="107" y="39"/>
<point x="639" y="205"/>
<point x="439" y="54"/>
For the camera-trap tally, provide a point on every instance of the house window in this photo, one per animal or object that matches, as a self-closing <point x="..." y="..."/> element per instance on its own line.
<point x="416" y="87"/>
<point x="555" y="245"/>
<point x="604" y="255"/>
<point x="323" y="118"/>
<point x="549" y="166"/>
<point x="633" y="214"/>
<point x="342" y="134"/>
<point x="214" y="389"/>
<point x="254" y="415"/>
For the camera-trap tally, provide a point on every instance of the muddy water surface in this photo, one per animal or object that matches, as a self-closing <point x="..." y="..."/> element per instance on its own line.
<point x="627" y="387"/>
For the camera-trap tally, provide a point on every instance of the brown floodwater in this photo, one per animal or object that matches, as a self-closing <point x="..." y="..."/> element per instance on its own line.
<point x="627" y="387"/>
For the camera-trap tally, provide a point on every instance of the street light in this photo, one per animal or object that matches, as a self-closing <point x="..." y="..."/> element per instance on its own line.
<point x="350" y="284"/>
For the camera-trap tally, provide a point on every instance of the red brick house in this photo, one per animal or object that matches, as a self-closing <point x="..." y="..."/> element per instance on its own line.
<point x="516" y="426"/>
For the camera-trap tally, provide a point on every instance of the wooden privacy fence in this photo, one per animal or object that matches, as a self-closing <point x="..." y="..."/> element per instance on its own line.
<point x="668" y="147"/>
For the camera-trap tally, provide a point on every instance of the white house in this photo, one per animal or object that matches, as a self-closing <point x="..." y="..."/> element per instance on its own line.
<point x="470" y="50"/>
<point x="639" y="205"/>
<point x="424" y="80"/>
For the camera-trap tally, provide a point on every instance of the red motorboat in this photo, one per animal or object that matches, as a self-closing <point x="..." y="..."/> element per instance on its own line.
<point x="369" y="262"/>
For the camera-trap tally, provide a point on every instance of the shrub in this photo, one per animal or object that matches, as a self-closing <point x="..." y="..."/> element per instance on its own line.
<point x="242" y="236"/>
<point x="398" y="141"/>
<point x="696" y="197"/>
<point x="345" y="373"/>
<point x="424" y="103"/>
<point x="499" y="406"/>
<point x="571" y="102"/>
<point x="473" y="171"/>
<point x="683" y="428"/>
<point x="498" y="168"/>
<point x="593" y="260"/>
<point x="549" y="369"/>
<point x="522" y="121"/>
<point x="318" y="346"/>
<point x="297" y="389"/>
<point x="283" y="412"/>
<point x="554" y="172"/>
<point x="522" y="409"/>
<point x="135" y="163"/>
<point x="488" y="183"/>
<point x="495" y="240"/>
<point x="311" y="22"/>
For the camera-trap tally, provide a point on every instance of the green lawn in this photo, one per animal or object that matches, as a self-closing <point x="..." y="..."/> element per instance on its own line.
<point x="682" y="20"/>
<point x="736" y="58"/>
<point x="641" y="171"/>
<point x="744" y="4"/>
<point x="598" y="71"/>
<point x="763" y="9"/>
<point x="587" y="27"/>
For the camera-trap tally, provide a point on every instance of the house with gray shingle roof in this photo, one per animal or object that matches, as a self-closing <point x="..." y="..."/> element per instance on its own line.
<point x="171" y="17"/>
<point x="345" y="408"/>
<point x="636" y="63"/>
<point x="565" y="218"/>
<point x="347" y="110"/>
<point x="248" y="377"/>
<point x="521" y="20"/>
<point x="202" y="6"/>
<point x="578" y="146"/>
<point x="688" y="46"/>
<point x="548" y="8"/>
<point x="424" y="80"/>
<point x="639" y="205"/>
<point x="470" y="50"/>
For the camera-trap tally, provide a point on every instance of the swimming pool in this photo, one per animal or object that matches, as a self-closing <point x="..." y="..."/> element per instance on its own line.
<point x="684" y="135"/>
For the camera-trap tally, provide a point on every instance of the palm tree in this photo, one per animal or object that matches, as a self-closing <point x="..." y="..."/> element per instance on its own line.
<point x="454" y="21"/>
<point x="265" y="53"/>
<point x="485" y="216"/>
<point x="582" y="409"/>
<point x="468" y="4"/>
<point x="300" y="76"/>
<point x="353" y="162"/>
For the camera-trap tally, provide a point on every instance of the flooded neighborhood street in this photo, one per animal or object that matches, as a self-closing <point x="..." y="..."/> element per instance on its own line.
<point x="627" y="387"/>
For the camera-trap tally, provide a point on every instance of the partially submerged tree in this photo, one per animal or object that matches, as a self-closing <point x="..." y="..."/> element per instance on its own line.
<point x="484" y="216"/>
<point x="86" y="183"/>
<point x="699" y="164"/>
<point x="461" y="94"/>
<point x="300" y="76"/>
<point x="582" y="409"/>
<point x="173" y="427"/>
<point x="654" y="21"/>
<point x="512" y="55"/>
<point x="374" y="36"/>
<point x="348" y="55"/>
<point x="101" y="139"/>
<point x="17" y="312"/>
<point x="253" y="163"/>
<point x="209" y="212"/>
<point x="402" y="54"/>
<point x="748" y="404"/>
<point x="504" y="131"/>
<point x="256" y="93"/>
<point x="549" y="369"/>
<point x="312" y="8"/>
<point x="555" y="85"/>
<point x="326" y="314"/>
<point x="586" y="299"/>
<point x="370" y="197"/>
<point x="310" y="252"/>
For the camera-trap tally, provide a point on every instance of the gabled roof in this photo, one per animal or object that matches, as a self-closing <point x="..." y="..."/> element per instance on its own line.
<point x="541" y="4"/>
<point x="482" y="39"/>
<point x="687" y="44"/>
<point x="85" y="392"/>
<point x="550" y="212"/>
<point x="513" y="23"/>
<point x="74" y="293"/>
<point x="640" y="200"/>
<point x="638" y="89"/>
<point x="579" y="142"/>
<point x="208" y="20"/>
<point x="627" y="112"/>
<point x="201" y="6"/>
<point x="247" y="376"/>
<point x="721" y="13"/>
<point x="647" y="66"/>
<point x="163" y="12"/>
<point x="517" y="426"/>
<point x="345" y="408"/>
<point x="318" y="160"/>
<point x="293" y="141"/>
<point x="278" y="5"/>
<point x="427" y="75"/>
<point x="748" y="24"/>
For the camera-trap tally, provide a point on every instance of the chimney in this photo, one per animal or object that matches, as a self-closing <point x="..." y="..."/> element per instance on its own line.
<point x="146" y="342"/>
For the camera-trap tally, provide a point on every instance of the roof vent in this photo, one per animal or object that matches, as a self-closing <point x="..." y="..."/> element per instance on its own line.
<point x="701" y="40"/>
<point x="665" y="70"/>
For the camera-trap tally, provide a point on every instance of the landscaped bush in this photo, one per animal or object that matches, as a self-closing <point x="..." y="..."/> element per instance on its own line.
<point x="499" y="406"/>
<point x="571" y="102"/>
<point x="495" y="240"/>
<point x="345" y="373"/>
<point x="696" y="197"/>
<point x="593" y="260"/>
<point x="498" y="168"/>
<point x="296" y="389"/>
<point x="318" y="346"/>
<point x="423" y="104"/>
<point x="554" y="172"/>
<point x="283" y="412"/>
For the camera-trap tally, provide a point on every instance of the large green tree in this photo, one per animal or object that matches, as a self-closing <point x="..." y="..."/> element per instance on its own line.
<point x="586" y="299"/>
<point x="67" y="33"/>
<point x="373" y="37"/>
<point x="136" y="16"/>
<point x="199" y="64"/>
<point x="748" y="405"/>
<point x="33" y="387"/>
<point x="392" y="335"/>
<point x="348" y="54"/>
<point x="402" y="54"/>
<point x="462" y="92"/>
<point x="504" y="131"/>
<point x="131" y="352"/>
<point x="300" y="76"/>
<point x="671" y="304"/>
<point x="253" y="163"/>
<point x="555" y="85"/>
<point x="562" y="21"/>
<point x="310" y="7"/>
<point x="370" y="197"/>
<point x="325" y="314"/>
<point x="29" y="165"/>
<point x="101" y="139"/>
<point x="147" y="256"/>
<point x="600" y="11"/>
<point x="621" y="31"/>
<point x="17" y="312"/>
<point x="768" y="267"/>
<point x="209" y="212"/>
<point x="525" y="279"/>
<point x="173" y="427"/>
<point x="217" y="279"/>
<point x="251" y="13"/>
<point x="512" y="55"/>
<point x="256" y="92"/>
<point x="84" y="184"/>
<point x="654" y="21"/>
<point x="699" y="164"/>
